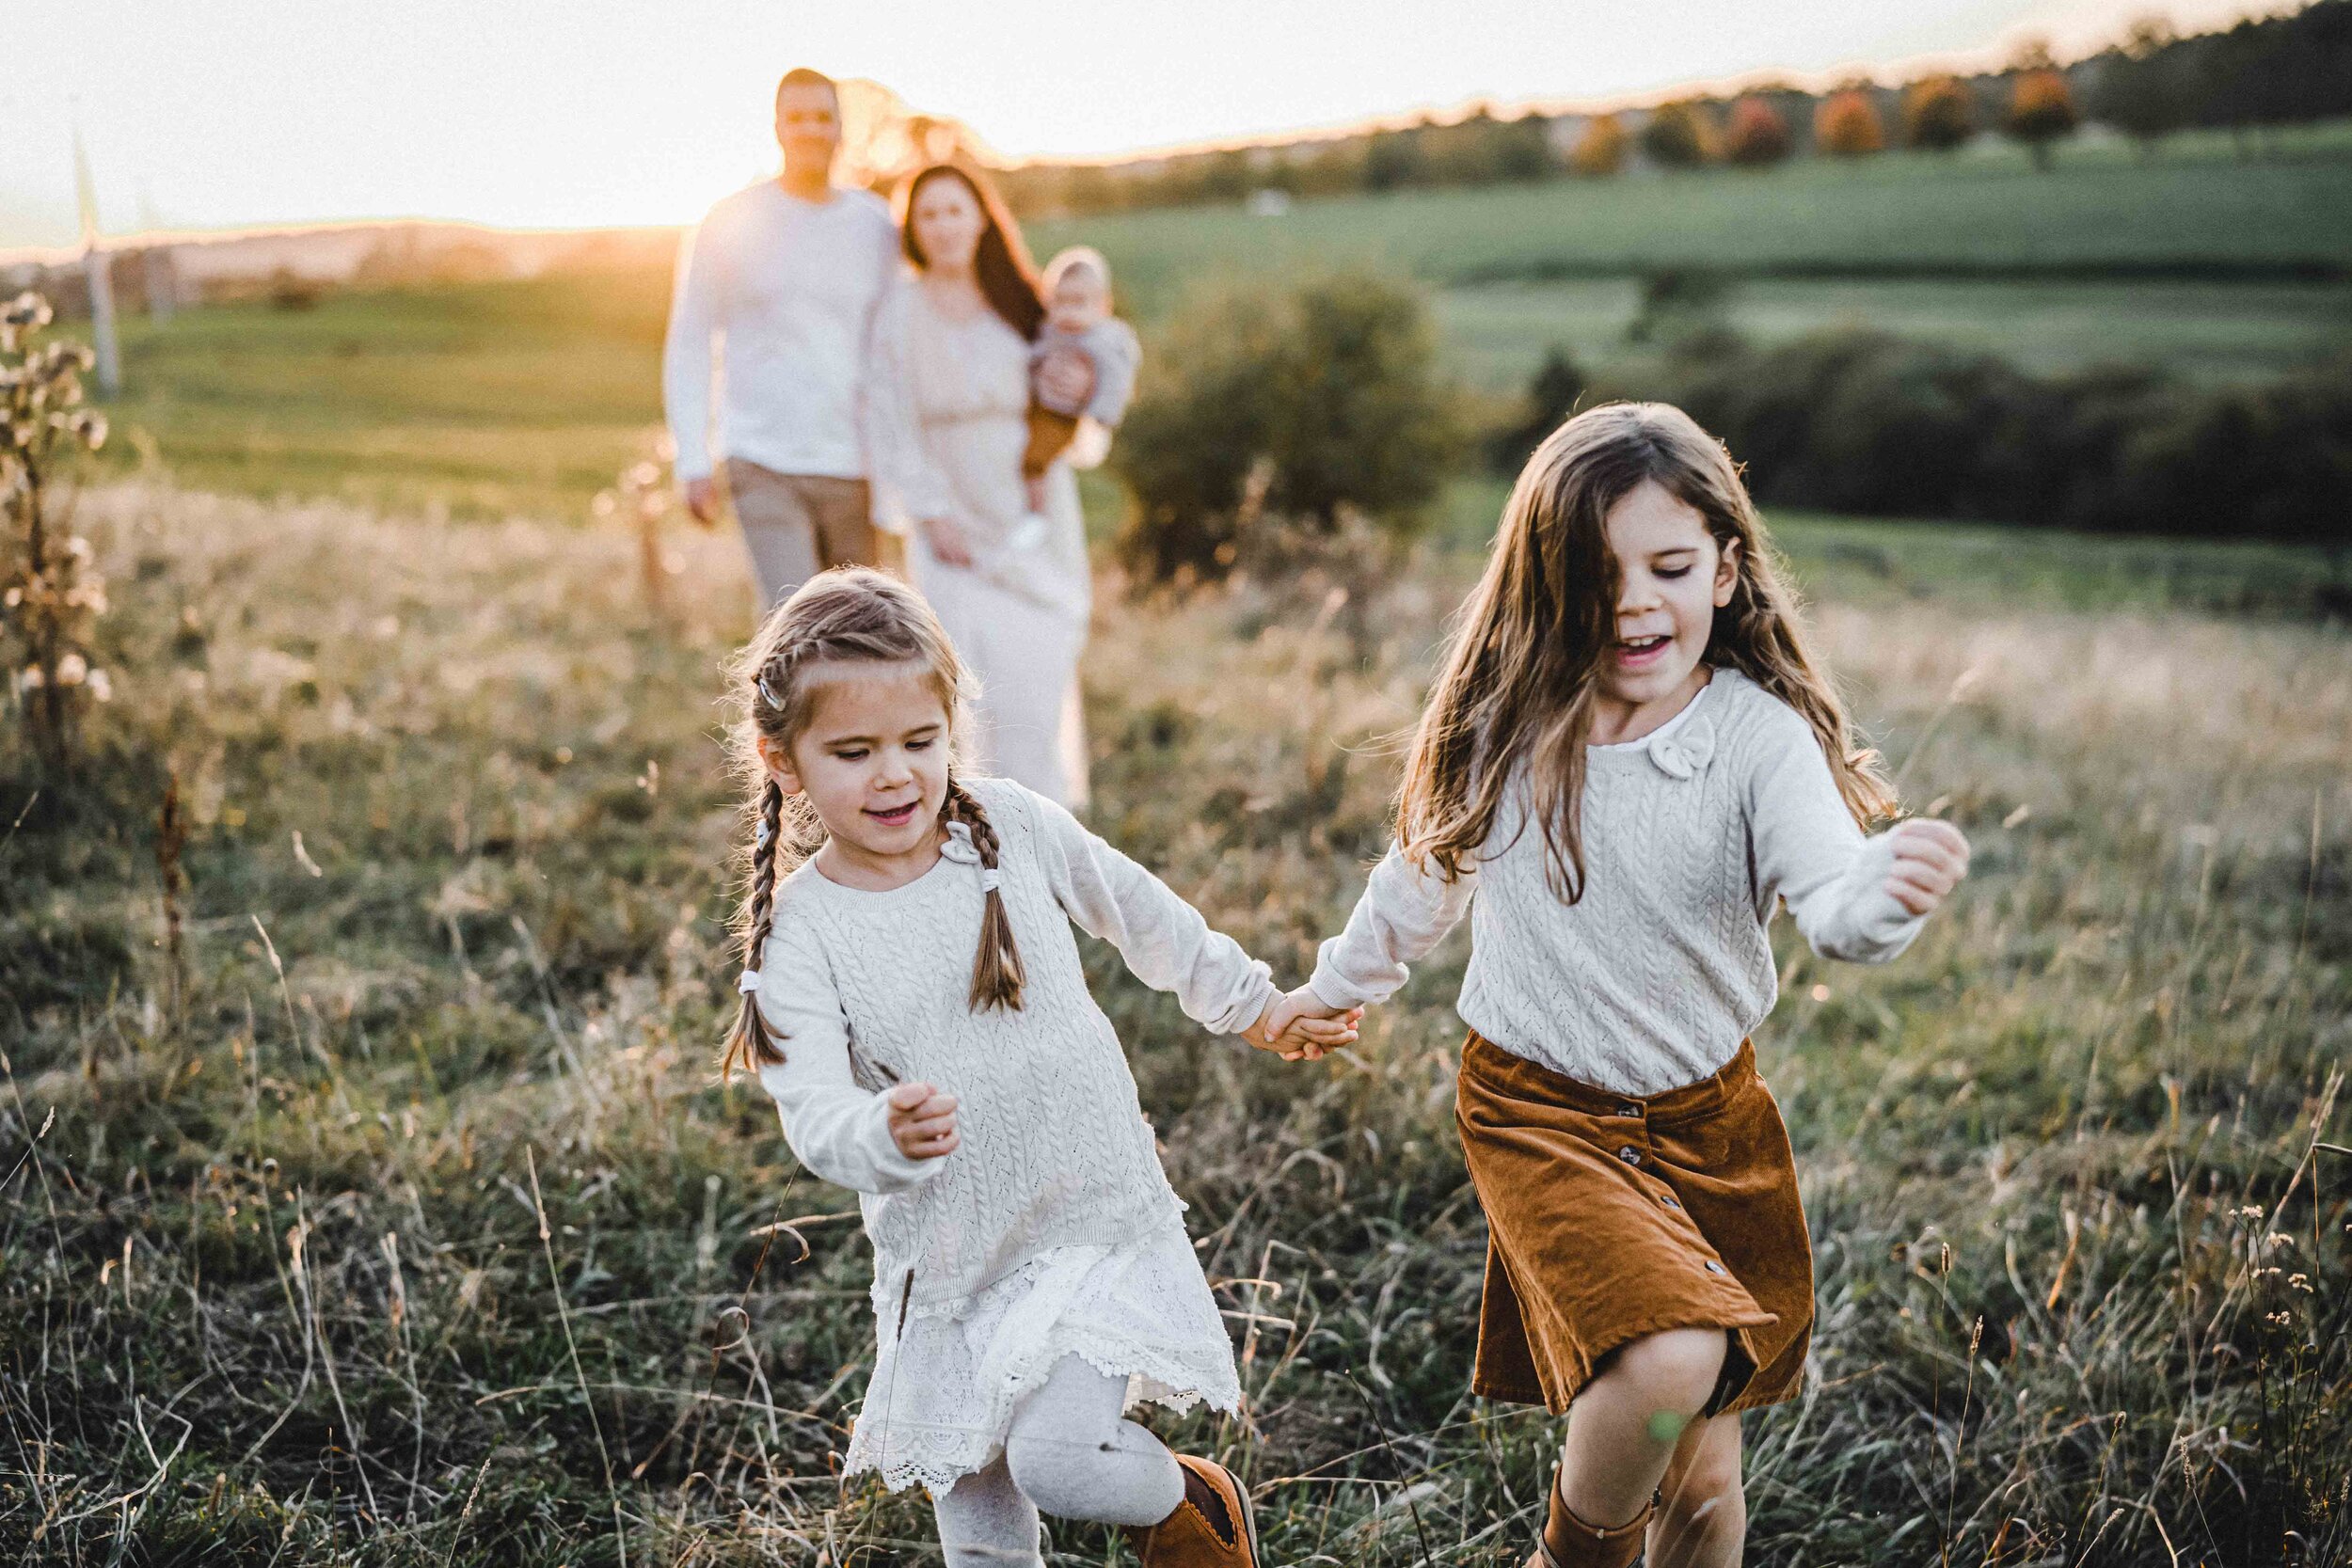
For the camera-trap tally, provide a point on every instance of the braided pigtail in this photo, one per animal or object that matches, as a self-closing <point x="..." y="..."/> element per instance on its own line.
<point x="997" y="977"/>
<point x="752" y="1044"/>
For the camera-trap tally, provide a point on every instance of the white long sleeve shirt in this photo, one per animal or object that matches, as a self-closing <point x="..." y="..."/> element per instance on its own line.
<point x="871" y="989"/>
<point x="775" y="299"/>
<point x="1691" y="836"/>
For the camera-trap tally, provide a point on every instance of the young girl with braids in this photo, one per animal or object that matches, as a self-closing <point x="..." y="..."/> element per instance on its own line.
<point x="1628" y="761"/>
<point x="914" y="999"/>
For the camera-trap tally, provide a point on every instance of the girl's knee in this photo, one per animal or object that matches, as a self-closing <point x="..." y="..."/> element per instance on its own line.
<point x="1049" y="1472"/>
<point x="1676" y="1370"/>
<point x="1706" y="1495"/>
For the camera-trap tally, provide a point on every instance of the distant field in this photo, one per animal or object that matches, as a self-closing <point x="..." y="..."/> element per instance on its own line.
<point x="2100" y="209"/>
<point x="483" y="398"/>
<point x="1496" y="334"/>
<point x="491" y="398"/>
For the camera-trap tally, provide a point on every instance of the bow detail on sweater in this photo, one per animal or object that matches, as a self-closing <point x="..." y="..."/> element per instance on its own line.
<point x="959" y="848"/>
<point x="1684" y="754"/>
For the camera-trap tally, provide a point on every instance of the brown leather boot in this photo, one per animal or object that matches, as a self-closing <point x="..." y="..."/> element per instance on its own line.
<point x="1211" y="1528"/>
<point x="1570" y="1542"/>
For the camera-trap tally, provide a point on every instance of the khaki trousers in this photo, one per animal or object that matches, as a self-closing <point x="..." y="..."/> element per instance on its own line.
<point x="797" y="525"/>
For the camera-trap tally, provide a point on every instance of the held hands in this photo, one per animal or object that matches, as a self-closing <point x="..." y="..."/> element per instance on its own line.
<point x="1298" y="1027"/>
<point x="1930" y="858"/>
<point x="922" y="1120"/>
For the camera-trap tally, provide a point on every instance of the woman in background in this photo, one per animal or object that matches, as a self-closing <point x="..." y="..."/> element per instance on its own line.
<point x="948" y="414"/>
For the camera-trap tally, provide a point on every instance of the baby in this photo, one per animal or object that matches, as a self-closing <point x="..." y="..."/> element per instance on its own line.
<point x="1079" y="329"/>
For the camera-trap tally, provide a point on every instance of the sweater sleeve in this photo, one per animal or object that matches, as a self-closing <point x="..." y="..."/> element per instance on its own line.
<point x="1808" y="852"/>
<point x="1405" y="911"/>
<point x="909" y="487"/>
<point x="837" y="1130"/>
<point x="1117" y="354"/>
<point x="1166" y="942"/>
<point x="686" y="352"/>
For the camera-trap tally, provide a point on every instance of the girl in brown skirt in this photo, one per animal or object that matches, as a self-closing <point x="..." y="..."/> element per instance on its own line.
<point x="1628" y="762"/>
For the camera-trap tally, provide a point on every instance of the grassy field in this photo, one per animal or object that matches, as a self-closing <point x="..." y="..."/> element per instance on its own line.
<point x="495" y="399"/>
<point x="409" y="1227"/>
<point x="1989" y="213"/>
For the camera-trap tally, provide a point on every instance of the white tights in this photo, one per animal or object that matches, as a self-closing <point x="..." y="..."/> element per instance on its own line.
<point x="1069" y="1453"/>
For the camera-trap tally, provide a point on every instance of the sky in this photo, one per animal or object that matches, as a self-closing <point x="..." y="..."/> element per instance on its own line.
<point x="211" y="114"/>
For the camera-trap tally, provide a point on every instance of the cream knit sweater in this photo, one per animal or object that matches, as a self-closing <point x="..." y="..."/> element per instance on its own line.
<point x="869" y="989"/>
<point x="1691" y="836"/>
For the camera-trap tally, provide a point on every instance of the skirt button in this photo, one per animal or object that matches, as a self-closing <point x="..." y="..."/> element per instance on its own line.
<point x="1668" y="1199"/>
<point x="1630" y="1155"/>
<point x="1629" y="1109"/>
<point x="1713" y="1267"/>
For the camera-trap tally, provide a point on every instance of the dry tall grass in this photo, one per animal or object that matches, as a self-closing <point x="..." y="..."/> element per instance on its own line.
<point x="427" y="1237"/>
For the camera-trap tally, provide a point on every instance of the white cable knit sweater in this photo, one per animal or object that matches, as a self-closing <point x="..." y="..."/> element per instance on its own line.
<point x="1051" y="1231"/>
<point x="1691" y="835"/>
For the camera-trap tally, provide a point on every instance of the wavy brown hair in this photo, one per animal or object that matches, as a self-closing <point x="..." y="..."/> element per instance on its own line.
<point x="847" y="616"/>
<point x="1522" y="664"/>
<point x="1006" y="276"/>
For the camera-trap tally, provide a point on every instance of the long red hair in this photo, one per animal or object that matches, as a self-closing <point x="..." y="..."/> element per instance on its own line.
<point x="1006" y="276"/>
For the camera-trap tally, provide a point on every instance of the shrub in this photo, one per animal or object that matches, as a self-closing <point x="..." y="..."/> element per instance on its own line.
<point x="1863" y="421"/>
<point x="1552" y="394"/>
<point x="1939" y="114"/>
<point x="49" y="595"/>
<point x="1678" y="135"/>
<point x="1758" y="135"/>
<point x="1847" y="125"/>
<point x="1313" y="405"/>
<point x="1602" y="149"/>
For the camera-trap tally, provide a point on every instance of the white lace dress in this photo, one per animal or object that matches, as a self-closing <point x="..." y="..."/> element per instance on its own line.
<point x="947" y="424"/>
<point x="1051" y="1231"/>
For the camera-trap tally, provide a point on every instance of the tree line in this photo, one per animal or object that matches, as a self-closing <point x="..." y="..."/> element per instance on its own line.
<point x="2261" y="73"/>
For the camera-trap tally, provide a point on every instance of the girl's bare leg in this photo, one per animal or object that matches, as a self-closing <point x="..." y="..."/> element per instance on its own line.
<point x="1627" y="1423"/>
<point x="1702" y="1519"/>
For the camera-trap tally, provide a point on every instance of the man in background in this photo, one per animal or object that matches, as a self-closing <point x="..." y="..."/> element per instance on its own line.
<point x="775" y="291"/>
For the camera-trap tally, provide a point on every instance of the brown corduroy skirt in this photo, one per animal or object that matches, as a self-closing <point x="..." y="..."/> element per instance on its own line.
<point x="1614" y="1216"/>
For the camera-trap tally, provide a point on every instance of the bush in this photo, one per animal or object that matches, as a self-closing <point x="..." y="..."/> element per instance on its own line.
<point x="1678" y="135"/>
<point x="1602" y="149"/>
<point x="1311" y="406"/>
<point x="1862" y="421"/>
<point x="1939" y="114"/>
<point x="1847" y="125"/>
<point x="1559" y="385"/>
<point x="1758" y="135"/>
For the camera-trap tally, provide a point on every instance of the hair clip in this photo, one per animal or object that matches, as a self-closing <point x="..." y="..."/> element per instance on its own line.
<point x="748" y="981"/>
<point x="761" y="833"/>
<point x="767" y="695"/>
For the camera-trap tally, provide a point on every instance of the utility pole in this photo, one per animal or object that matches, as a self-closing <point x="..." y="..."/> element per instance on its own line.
<point x="96" y="267"/>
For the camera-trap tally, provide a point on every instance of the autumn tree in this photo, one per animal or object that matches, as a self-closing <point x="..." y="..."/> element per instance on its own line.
<point x="1847" y="125"/>
<point x="1758" y="135"/>
<point x="1602" y="149"/>
<point x="2041" y="104"/>
<point x="1939" y="114"/>
<point x="1678" y="135"/>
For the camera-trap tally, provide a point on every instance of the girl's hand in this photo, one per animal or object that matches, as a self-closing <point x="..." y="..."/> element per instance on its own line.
<point x="948" y="541"/>
<point x="1930" y="858"/>
<point x="1298" y="1027"/>
<point x="922" y="1121"/>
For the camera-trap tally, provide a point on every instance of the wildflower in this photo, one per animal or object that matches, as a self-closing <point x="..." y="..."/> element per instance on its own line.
<point x="73" y="669"/>
<point x="102" y="687"/>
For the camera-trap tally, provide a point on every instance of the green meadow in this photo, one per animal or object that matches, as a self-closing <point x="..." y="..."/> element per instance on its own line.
<point x="397" y="1216"/>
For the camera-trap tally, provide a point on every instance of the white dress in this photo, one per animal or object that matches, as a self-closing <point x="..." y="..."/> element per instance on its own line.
<point x="946" y="412"/>
<point x="1051" y="1231"/>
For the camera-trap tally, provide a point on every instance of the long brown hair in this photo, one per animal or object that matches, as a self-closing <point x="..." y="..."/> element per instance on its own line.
<point x="847" y="616"/>
<point x="1006" y="276"/>
<point x="1522" y="667"/>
